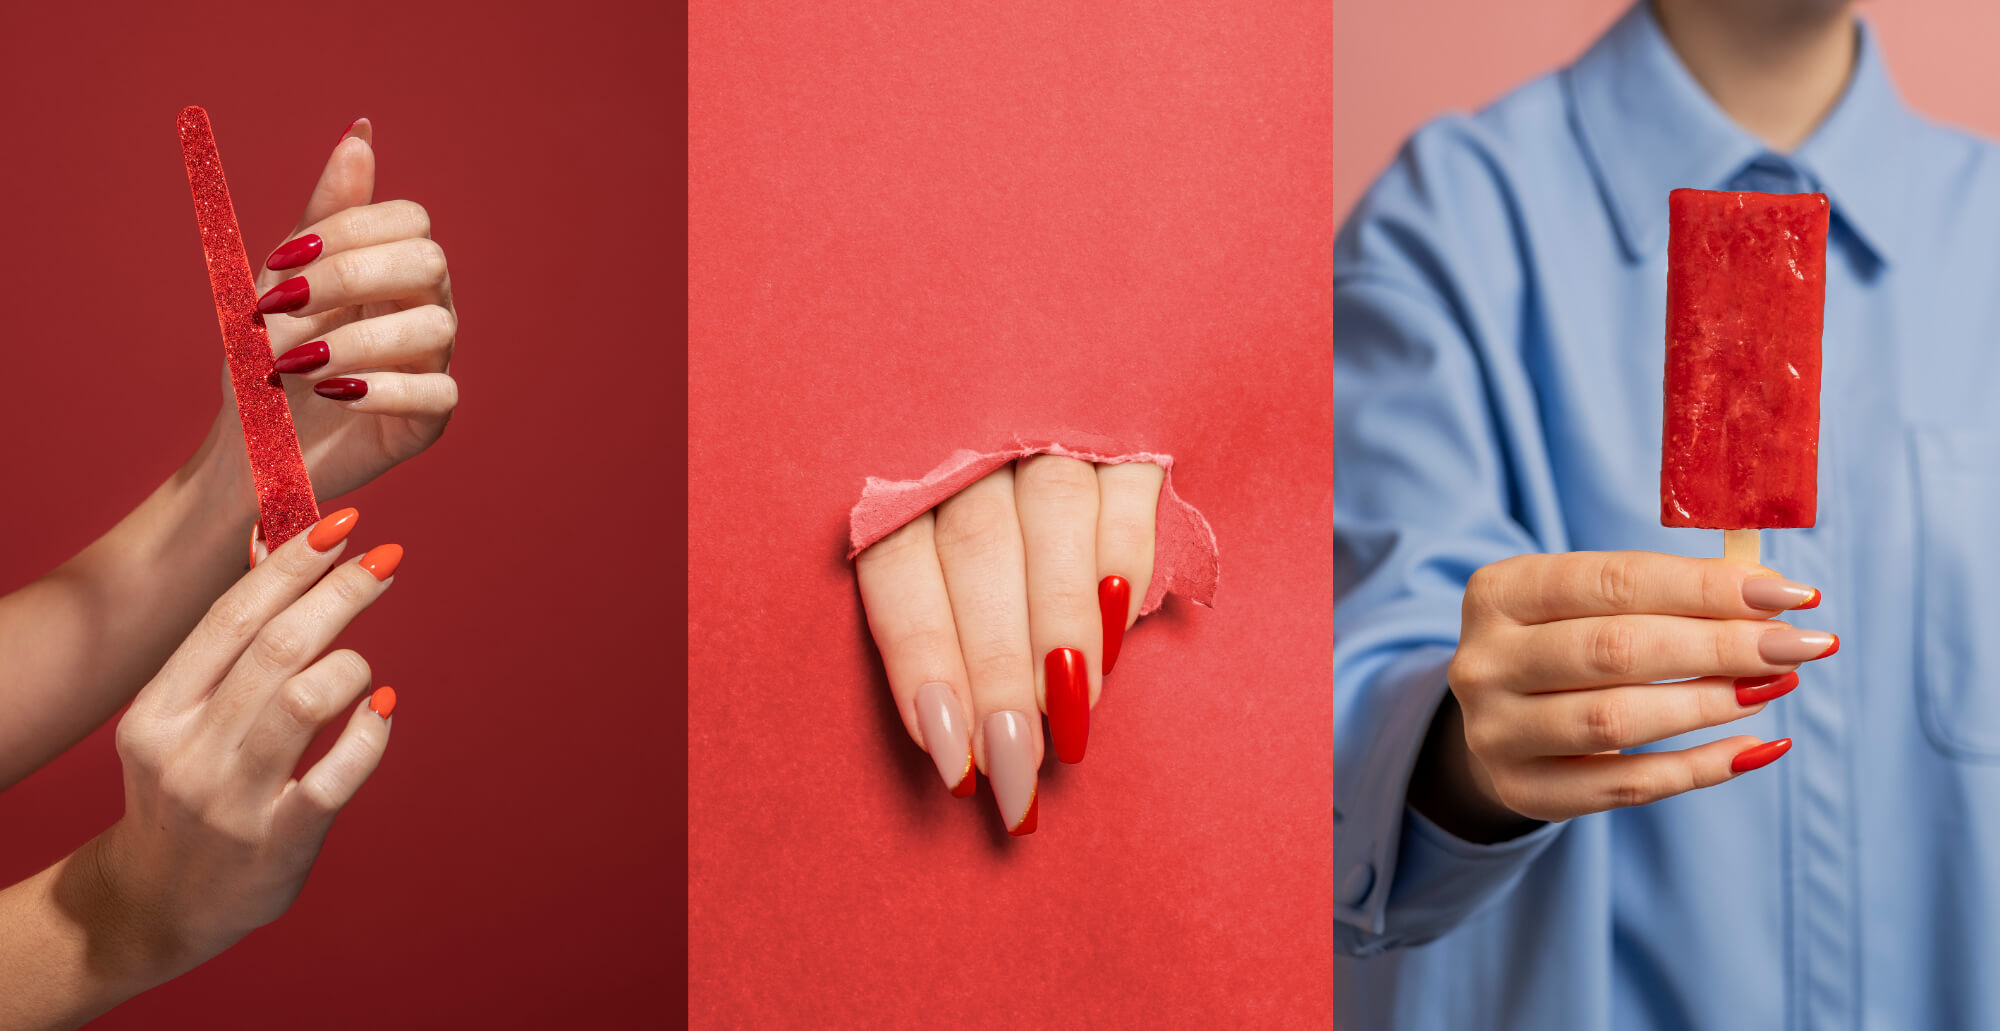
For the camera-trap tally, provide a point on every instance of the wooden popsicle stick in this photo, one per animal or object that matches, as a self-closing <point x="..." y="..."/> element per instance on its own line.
<point x="1741" y="546"/>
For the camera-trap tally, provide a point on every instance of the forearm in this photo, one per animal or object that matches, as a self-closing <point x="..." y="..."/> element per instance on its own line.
<point x="78" y="643"/>
<point x="68" y="950"/>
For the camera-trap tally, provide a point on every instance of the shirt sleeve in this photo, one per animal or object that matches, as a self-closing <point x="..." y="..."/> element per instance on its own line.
<point x="1440" y="467"/>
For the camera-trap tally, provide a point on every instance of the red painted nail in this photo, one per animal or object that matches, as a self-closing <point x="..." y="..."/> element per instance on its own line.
<point x="295" y="253"/>
<point x="1114" y="599"/>
<point x="341" y="388"/>
<point x="382" y="560"/>
<point x="1759" y="755"/>
<point x="1028" y="822"/>
<point x="290" y="295"/>
<point x="1813" y="604"/>
<point x="383" y="701"/>
<point x="968" y="783"/>
<point x="1068" y="686"/>
<point x="303" y="358"/>
<point x="1754" y="690"/>
<point x="1834" y="647"/>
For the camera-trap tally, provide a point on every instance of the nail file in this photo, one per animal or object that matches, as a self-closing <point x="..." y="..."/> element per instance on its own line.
<point x="285" y="505"/>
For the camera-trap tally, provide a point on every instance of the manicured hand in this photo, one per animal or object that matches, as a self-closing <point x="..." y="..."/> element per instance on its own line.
<point x="218" y="835"/>
<point x="1560" y="665"/>
<point x="1010" y="598"/>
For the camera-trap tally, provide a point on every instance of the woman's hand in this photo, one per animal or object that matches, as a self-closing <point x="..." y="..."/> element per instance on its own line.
<point x="1009" y="598"/>
<point x="218" y="834"/>
<point x="357" y="300"/>
<point x="1558" y="668"/>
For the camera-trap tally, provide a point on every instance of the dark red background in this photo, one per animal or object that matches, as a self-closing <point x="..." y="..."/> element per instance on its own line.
<point x="916" y="226"/>
<point x="514" y="862"/>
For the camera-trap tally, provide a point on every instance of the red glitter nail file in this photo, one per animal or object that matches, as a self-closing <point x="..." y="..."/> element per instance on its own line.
<point x="285" y="505"/>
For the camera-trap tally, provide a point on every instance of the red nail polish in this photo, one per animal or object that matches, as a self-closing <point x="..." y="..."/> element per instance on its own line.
<point x="969" y="781"/>
<point x="342" y="388"/>
<point x="1834" y="647"/>
<point x="290" y="295"/>
<point x="1754" y="690"/>
<point x="383" y="701"/>
<point x="1114" y="599"/>
<point x="1759" y="755"/>
<point x="1028" y="822"/>
<point x="295" y="253"/>
<point x="303" y="358"/>
<point x="1813" y="604"/>
<point x="1068" y="686"/>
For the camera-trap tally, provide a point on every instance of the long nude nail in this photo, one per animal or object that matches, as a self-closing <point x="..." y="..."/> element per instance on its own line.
<point x="1010" y="768"/>
<point x="948" y="737"/>
<point x="1776" y="592"/>
<point x="1792" y="645"/>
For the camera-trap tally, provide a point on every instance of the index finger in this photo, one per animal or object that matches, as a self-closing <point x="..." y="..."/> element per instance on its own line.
<point x="1533" y="589"/>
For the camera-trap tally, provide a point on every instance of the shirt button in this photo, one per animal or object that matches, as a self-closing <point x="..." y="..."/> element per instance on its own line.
<point x="1356" y="886"/>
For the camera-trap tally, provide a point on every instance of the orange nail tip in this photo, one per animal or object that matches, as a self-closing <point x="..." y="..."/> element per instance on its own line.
<point x="1758" y="756"/>
<point x="1812" y="603"/>
<point x="332" y="530"/>
<point x="1834" y="647"/>
<point x="382" y="560"/>
<point x="968" y="782"/>
<point x="1027" y="824"/>
<point x="383" y="701"/>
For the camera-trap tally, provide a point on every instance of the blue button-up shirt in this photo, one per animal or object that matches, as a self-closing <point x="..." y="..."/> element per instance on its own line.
<point x="1499" y="315"/>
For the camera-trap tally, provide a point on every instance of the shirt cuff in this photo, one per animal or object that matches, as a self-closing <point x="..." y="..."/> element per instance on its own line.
<point x="1442" y="879"/>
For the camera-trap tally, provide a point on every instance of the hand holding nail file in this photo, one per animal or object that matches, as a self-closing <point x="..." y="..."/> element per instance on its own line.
<point x="285" y="504"/>
<point x="1746" y="293"/>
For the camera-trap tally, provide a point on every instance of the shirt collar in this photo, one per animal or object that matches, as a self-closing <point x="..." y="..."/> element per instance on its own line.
<point x="1647" y="128"/>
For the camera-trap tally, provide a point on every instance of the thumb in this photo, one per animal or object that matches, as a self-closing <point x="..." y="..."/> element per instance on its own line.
<point x="347" y="181"/>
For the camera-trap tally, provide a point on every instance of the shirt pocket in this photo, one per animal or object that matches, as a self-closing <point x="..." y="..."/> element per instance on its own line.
<point x="1957" y="474"/>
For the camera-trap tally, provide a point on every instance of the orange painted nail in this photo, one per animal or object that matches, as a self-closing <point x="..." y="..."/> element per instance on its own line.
<point x="383" y="701"/>
<point x="382" y="560"/>
<point x="332" y="530"/>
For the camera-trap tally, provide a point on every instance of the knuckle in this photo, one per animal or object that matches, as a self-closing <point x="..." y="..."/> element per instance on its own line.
<point x="1613" y="648"/>
<point x="232" y="615"/>
<point x="431" y="262"/>
<point x="1618" y="579"/>
<point x="302" y="703"/>
<point x="348" y="271"/>
<point x="443" y="393"/>
<point x="1468" y="671"/>
<point x="976" y="525"/>
<point x="348" y="667"/>
<point x="1634" y="789"/>
<point x="416" y="219"/>
<point x="1607" y="724"/>
<point x="353" y="588"/>
<point x="1123" y="535"/>
<point x="1058" y="477"/>
<point x="279" y="649"/>
<point x="913" y="535"/>
<point x="1002" y="665"/>
<point x="443" y="322"/>
<point x="930" y="647"/>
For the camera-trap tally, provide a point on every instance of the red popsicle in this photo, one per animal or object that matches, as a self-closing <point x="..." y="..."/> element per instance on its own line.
<point x="1746" y="294"/>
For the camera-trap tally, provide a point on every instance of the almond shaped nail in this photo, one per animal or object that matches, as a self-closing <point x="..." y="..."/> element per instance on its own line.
<point x="1789" y="645"/>
<point x="332" y="530"/>
<point x="1114" y="600"/>
<point x="382" y="560"/>
<point x="290" y="295"/>
<point x="1759" y="756"/>
<point x="303" y="358"/>
<point x="295" y="252"/>
<point x="1010" y="768"/>
<point x="342" y="388"/>
<point x="1778" y="594"/>
<point x="1758" y="690"/>
<point x="947" y="736"/>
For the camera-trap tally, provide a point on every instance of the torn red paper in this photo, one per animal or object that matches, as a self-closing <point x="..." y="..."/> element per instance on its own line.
<point x="1185" y="561"/>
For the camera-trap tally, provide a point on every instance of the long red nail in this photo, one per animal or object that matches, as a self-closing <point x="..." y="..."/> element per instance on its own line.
<point x="383" y="701"/>
<point x="1068" y="685"/>
<point x="1754" y="690"/>
<point x="296" y="252"/>
<point x="1114" y="599"/>
<point x="303" y="358"/>
<point x="382" y="560"/>
<point x="290" y="295"/>
<point x="1759" y="755"/>
<point x="342" y="388"/>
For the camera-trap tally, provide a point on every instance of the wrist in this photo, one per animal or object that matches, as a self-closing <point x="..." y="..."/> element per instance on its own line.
<point x="217" y="479"/>
<point x="130" y="944"/>
<point x="1451" y="788"/>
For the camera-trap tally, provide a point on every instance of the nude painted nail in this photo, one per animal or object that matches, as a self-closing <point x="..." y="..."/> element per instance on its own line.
<point x="947" y="735"/>
<point x="1776" y="592"/>
<point x="1010" y="768"/>
<point x="383" y="701"/>
<point x="382" y="560"/>
<point x="1791" y="645"/>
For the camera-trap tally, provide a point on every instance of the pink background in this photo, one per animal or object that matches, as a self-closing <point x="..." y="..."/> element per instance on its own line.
<point x="1396" y="65"/>
<point x="915" y="227"/>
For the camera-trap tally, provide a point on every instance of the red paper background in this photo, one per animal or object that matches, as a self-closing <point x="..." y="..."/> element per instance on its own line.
<point x="918" y="226"/>
<point x="512" y="863"/>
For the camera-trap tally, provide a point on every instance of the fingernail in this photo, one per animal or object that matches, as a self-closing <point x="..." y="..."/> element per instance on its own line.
<point x="290" y="295"/>
<point x="332" y="530"/>
<point x="342" y="388"/>
<point x="1759" y="755"/>
<point x="1068" y="686"/>
<point x="367" y="132"/>
<point x="1114" y="599"/>
<point x="383" y="701"/>
<point x="382" y="560"/>
<point x="1790" y="645"/>
<point x="296" y="252"/>
<point x="948" y="737"/>
<point x="1756" y="690"/>
<point x="1010" y="768"/>
<point x="1776" y="592"/>
<point x="304" y="358"/>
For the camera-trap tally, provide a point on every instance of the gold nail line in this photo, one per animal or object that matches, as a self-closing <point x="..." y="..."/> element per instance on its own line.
<point x="1016" y="825"/>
